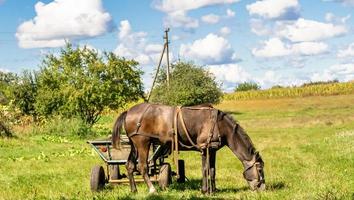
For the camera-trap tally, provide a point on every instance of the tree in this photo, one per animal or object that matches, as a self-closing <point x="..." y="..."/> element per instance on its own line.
<point x="82" y="82"/>
<point x="246" y="86"/>
<point x="7" y="81"/>
<point x="189" y="85"/>
<point x="25" y="93"/>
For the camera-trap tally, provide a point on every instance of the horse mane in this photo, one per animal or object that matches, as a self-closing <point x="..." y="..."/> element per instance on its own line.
<point x="242" y="133"/>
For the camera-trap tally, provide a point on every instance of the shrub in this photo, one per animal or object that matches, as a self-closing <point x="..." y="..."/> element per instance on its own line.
<point x="25" y="94"/>
<point x="61" y="126"/>
<point x="189" y="85"/>
<point x="81" y="82"/>
<point x="246" y="86"/>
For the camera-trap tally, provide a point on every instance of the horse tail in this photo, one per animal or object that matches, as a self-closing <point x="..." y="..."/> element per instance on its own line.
<point x="117" y="128"/>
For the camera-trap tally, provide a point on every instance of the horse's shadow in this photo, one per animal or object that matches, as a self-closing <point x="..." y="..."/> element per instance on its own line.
<point x="196" y="184"/>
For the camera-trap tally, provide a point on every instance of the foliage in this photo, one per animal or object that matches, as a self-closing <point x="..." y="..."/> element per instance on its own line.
<point x="25" y="93"/>
<point x="319" y="83"/>
<point x="311" y="90"/>
<point x="7" y="80"/>
<point x="82" y="82"/>
<point x="189" y="85"/>
<point x="6" y="120"/>
<point x="60" y="126"/>
<point x="246" y="86"/>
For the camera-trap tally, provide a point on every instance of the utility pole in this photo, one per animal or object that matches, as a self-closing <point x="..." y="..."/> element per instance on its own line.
<point x="167" y="56"/>
<point x="165" y="47"/>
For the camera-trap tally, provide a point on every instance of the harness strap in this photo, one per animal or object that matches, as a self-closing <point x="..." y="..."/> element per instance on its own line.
<point x="175" y="139"/>
<point x="186" y="131"/>
<point x="138" y="125"/>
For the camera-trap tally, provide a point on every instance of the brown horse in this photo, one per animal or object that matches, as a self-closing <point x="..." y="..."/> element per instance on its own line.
<point x="201" y="128"/>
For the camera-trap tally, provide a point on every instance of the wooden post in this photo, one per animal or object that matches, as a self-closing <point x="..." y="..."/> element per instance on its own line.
<point x="165" y="47"/>
<point x="167" y="56"/>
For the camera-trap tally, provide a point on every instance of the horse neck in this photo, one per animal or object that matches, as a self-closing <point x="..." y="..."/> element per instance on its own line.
<point x="240" y="143"/>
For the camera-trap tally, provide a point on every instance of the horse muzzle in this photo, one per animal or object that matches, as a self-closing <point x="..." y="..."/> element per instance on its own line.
<point x="256" y="185"/>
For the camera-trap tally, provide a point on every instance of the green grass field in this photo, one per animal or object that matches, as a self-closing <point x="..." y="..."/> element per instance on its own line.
<point x="307" y="145"/>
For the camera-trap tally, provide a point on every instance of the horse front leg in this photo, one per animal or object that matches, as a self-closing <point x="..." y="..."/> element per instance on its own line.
<point x="212" y="170"/>
<point x="204" y="173"/>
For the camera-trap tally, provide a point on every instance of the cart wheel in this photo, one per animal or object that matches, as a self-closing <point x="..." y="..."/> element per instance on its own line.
<point x="114" y="172"/>
<point x="181" y="172"/>
<point x="97" y="178"/>
<point x="165" y="176"/>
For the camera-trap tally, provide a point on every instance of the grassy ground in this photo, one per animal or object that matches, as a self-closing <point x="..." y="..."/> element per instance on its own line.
<point x="307" y="145"/>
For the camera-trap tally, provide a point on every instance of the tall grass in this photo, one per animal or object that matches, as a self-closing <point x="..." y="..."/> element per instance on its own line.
<point x="311" y="90"/>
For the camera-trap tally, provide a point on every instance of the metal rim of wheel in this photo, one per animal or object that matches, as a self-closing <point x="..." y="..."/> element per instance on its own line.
<point x="98" y="178"/>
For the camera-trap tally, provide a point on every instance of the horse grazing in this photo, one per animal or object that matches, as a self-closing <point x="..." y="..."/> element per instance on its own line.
<point x="200" y="128"/>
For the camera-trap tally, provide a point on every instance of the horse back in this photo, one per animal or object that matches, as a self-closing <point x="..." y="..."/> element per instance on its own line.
<point x="151" y="120"/>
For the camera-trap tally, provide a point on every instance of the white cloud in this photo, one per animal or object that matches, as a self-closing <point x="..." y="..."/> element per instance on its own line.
<point x="185" y="5"/>
<point x="274" y="47"/>
<point x="63" y="20"/>
<point x="224" y="31"/>
<point x="308" y="30"/>
<point x="211" y="18"/>
<point x="275" y="9"/>
<point x="232" y="74"/>
<point x="348" y="52"/>
<point x="180" y="19"/>
<point x="177" y="11"/>
<point x="230" y="13"/>
<point x="153" y="48"/>
<point x="4" y="70"/>
<point x="309" y="48"/>
<point x="212" y="49"/>
<point x="342" y="72"/>
<point x="260" y="27"/>
<point x="229" y="75"/>
<point x="134" y="45"/>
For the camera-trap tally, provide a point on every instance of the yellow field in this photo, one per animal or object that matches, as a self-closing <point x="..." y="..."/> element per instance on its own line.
<point x="312" y="90"/>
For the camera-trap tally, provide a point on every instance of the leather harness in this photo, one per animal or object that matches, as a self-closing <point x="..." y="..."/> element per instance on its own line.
<point x="178" y="116"/>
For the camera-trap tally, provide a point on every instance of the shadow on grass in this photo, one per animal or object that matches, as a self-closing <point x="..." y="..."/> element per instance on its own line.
<point x="195" y="184"/>
<point x="275" y="186"/>
<point x="192" y="184"/>
<point x="233" y="113"/>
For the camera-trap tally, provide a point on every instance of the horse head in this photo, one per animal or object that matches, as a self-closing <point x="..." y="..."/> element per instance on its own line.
<point x="254" y="173"/>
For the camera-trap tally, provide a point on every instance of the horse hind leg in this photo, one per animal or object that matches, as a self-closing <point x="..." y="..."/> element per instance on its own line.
<point x="130" y="166"/>
<point x="143" y="149"/>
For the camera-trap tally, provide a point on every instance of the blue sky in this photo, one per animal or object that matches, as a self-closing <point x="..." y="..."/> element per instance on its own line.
<point x="271" y="42"/>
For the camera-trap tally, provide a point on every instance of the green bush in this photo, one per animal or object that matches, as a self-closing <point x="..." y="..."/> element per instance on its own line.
<point x="7" y="80"/>
<point x="61" y="126"/>
<point x="79" y="82"/>
<point x="246" y="86"/>
<point x="25" y="94"/>
<point x="189" y="85"/>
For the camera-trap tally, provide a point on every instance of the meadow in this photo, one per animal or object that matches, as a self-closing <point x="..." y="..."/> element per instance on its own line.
<point x="307" y="144"/>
